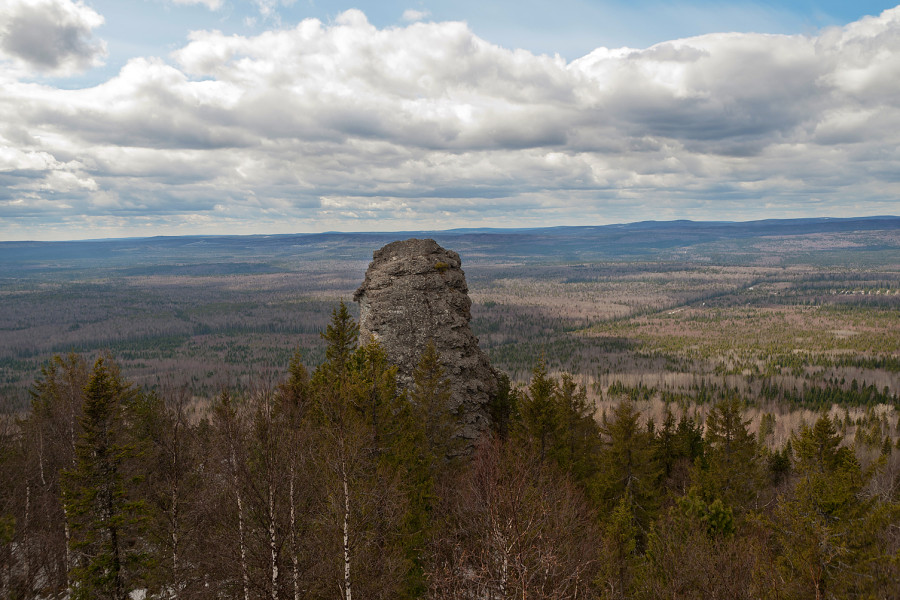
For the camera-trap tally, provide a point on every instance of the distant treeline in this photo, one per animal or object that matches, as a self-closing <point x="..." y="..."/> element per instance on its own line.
<point x="809" y="397"/>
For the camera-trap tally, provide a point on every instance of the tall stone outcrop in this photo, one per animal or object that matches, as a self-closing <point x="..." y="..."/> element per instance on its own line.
<point x="415" y="292"/>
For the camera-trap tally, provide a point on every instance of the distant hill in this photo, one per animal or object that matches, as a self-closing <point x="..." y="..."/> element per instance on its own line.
<point x="647" y="240"/>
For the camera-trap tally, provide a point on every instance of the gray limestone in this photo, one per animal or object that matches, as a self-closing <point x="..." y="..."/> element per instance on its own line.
<point x="415" y="291"/>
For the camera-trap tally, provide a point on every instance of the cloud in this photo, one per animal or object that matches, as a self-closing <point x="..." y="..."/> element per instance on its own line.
<point x="50" y="36"/>
<point x="348" y="126"/>
<point x="411" y="15"/>
<point x="210" y="4"/>
<point x="268" y="9"/>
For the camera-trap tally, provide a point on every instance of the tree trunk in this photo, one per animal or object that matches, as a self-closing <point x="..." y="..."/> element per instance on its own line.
<point x="273" y="546"/>
<point x="245" y="575"/>
<point x="176" y="582"/>
<point x="347" y="592"/>
<point x="295" y="573"/>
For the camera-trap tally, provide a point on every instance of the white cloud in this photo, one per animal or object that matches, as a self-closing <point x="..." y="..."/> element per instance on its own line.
<point x="50" y="36"/>
<point x="411" y="15"/>
<point x="268" y="9"/>
<point x="347" y="126"/>
<point x="210" y="4"/>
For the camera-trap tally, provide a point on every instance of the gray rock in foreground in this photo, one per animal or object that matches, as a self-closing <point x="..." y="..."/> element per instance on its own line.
<point x="415" y="291"/>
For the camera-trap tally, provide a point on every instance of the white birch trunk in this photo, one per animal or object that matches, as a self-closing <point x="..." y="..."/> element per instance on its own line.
<point x="504" y="562"/>
<point x="273" y="546"/>
<point x="347" y="590"/>
<point x="245" y="576"/>
<point x="175" y="578"/>
<point x="41" y="458"/>
<point x="73" y="401"/>
<point x="68" y="535"/>
<point x="294" y="559"/>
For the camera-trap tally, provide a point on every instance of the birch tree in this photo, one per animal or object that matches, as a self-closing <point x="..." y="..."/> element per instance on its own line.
<point x="174" y="488"/>
<point x="48" y="440"/>
<point x="514" y="526"/>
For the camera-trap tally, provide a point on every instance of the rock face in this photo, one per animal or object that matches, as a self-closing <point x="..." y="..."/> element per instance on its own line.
<point x="415" y="292"/>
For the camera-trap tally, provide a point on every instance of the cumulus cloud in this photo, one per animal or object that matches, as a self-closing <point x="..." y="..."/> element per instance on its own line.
<point x="347" y="126"/>
<point x="50" y="36"/>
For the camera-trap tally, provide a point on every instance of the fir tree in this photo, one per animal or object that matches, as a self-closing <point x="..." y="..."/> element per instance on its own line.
<point x="342" y="336"/>
<point x="732" y="470"/>
<point x="578" y="438"/>
<point x="627" y="466"/>
<point x="105" y="518"/>
<point x="430" y="397"/>
<point x="502" y="407"/>
<point x="539" y="410"/>
<point x="828" y="529"/>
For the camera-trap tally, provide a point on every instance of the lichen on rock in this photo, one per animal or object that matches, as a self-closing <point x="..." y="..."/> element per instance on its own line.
<point x="414" y="292"/>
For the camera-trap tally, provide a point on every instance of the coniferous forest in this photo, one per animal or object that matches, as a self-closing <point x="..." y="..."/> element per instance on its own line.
<point x="332" y="483"/>
<point x="689" y="411"/>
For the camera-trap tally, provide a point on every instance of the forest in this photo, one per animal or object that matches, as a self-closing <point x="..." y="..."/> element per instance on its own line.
<point x="712" y="412"/>
<point x="335" y="483"/>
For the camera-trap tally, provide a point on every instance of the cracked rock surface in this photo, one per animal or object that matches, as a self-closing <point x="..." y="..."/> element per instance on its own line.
<point x="415" y="291"/>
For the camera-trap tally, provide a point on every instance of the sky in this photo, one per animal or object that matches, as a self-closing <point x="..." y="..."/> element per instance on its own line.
<point x="124" y="118"/>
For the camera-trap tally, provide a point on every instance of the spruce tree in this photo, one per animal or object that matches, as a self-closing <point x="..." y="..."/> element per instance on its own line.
<point x="105" y="518"/>
<point x="829" y="528"/>
<point x="627" y="465"/>
<point x="342" y="336"/>
<point x="430" y="398"/>
<point x="578" y="439"/>
<point x="733" y="471"/>
<point x="539" y="409"/>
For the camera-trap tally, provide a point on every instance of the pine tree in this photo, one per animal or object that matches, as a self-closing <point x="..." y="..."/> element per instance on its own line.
<point x="539" y="409"/>
<point x="502" y="407"/>
<point x="174" y="487"/>
<point x="621" y="549"/>
<point x="732" y="472"/>
<point x="627" y="466"/>
<point x="105" y="517"/>
<point x="430" y="398"/>
<point x="828" y="529"/>
<point x="11" y="458"/>
<point x="342" y="336"/>
<point x="578" y="439"/>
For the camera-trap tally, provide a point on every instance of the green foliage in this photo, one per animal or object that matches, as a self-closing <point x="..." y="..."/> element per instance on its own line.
<point x="778" y="464"/>
<point x="7" y="529"/>
<point x="676" y="448"/>
<point x="731" y="469"/>
<point x="539" y="410"/>
<point x="105" y="518"/>
<point x="618" y="573"/>
<point x="555" y="416"/>
<point x="627" y="465"/>
<point x="828" y="528"/>
<point x="341" y="336"/>
<point x="256" y="491"/>
<point x="430" y="398"/>
<point x="715" y="517"/>
<point x="380" y="449"/>
<point x="503" y="407"/>
<point x="295" y="390"/>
